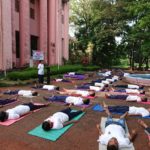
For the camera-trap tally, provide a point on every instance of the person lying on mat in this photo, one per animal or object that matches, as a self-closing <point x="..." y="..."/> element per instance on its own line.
<point x="74" y="73"/>
<point x="90" y="87"/>
<point x="130" y="86"/>
<point x="62" y="80"/>
<point x="68" y="99"/>
<point x="114" y="136"/>
<point x="8" y="100"/>
<point x="128" y="91"/>
<point x="22" y="92"/>
<point x="47" y="87"/>
<point x="132" y="110"/>
<point x="60" y="119"/>
<point x="130" y="98"/>
<point x="82" y="93"/>
<point x="146" y="128"/>
<point x="20" y="110"/>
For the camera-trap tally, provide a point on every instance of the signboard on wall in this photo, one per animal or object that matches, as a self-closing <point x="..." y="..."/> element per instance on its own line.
<point x="38" y="55"/>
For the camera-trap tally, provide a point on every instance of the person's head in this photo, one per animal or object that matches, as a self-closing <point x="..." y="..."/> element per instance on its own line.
<point x="34" y="93"/>
<point x="3" y="116"/>
<point x="113" y="144"/>
<point x="144" y="99"/>
<point x="142" y="92"/>
<point x="47" y="125"/>
<point x="40" y="61"/>
<point x="57" y="88"/>
<point x="141" y="86"/>
<point x="106" y="85"/>
<point x="92" y="93"/>
<point x="86" y="101"/>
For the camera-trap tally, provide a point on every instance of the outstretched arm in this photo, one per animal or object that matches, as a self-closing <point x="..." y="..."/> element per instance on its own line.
<point x="69" y="122"/>
<point x="133" y="135"/>
<point x="99" y="129"/>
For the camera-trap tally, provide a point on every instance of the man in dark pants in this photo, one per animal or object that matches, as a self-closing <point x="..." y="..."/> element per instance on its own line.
<point x="60" y="119"/>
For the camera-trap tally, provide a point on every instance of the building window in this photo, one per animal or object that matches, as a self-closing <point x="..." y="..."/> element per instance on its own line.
<point x="32" y="13"/>
<point x="34" y="43"/>
<point x="32" y="1"/>
<point x="17" y="5"/>
<point x="17" y="44"/>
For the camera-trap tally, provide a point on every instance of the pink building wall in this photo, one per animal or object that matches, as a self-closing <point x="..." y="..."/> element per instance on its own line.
<point x="6" y="37"/>
<point x="48" y="27"/>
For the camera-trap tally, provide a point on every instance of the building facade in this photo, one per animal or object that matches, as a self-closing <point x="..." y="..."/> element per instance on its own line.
<point x="27" y="25"/>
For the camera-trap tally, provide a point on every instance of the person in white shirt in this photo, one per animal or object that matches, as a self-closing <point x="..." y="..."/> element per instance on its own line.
<point x="41" y="72"/>
<point x="68" y="99"/>
<point x="128" y="91"/>
<point x="130" y="98"/>
<point x="60" y="119"/>
<point x="132" y="110"/>
<point x="22" y="92"/>
<point x="18" y="111"/>
<point x="89" y="86"/>
<point x="130" y="86"/>
<point x="114" y="136"/>
<point x="82" y="93"/>
<point x="50" y="87"/>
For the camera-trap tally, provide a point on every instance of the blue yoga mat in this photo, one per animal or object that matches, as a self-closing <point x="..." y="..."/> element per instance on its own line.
<point x="100" y="108"/>
<point x="53" y="134"/>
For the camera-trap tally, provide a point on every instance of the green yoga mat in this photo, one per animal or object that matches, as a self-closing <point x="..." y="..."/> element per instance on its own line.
<point x="53" y="134"/>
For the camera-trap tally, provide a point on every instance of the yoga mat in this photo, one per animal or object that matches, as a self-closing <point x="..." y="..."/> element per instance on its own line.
<point x="90" y="97"/>
<point x="53" y="134"/>
<point x="9" y="122"/>
<point x="100" y="108"/>
<point x="103" y="147"/>
<point x="148" y="102"/>
<point x="9" y="103"/>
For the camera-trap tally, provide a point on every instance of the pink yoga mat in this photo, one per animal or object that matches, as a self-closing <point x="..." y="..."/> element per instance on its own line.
<point x="145" y="102"/>
<point x="9" y="122"/>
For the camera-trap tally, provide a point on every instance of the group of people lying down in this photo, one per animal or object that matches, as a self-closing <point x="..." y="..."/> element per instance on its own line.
<point x="56" y="121"/>
<point x="114" y="135"/>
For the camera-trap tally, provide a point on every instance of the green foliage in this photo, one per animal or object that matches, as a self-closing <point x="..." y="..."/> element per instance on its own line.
<point x="31" y="73"/>
<point x="101" y="21"/>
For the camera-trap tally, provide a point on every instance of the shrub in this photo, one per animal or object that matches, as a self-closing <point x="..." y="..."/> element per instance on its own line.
<point x="31" y="73"/>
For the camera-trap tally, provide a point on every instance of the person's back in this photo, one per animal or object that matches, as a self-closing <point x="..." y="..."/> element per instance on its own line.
<point x="139" y="110"/>
<point x="17" y="111"/>
<point x="82" y="93"/>
<point x="58" y="119"/>
<point x="133" y="98"/>
<point x="25" y="92"/>
<point x="74" y="100"/>
<point x="40" y="68"/>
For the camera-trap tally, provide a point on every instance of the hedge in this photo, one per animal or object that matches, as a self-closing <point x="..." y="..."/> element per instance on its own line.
<point x="31" y="73"/>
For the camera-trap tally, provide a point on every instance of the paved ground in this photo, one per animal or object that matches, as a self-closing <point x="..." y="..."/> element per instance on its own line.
<point x="82" y="136"/>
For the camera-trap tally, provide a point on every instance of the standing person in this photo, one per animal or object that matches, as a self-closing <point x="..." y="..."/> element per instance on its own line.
<point x="41" y="72"/>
